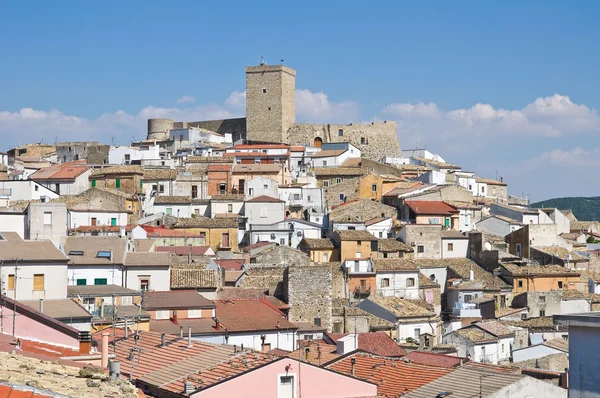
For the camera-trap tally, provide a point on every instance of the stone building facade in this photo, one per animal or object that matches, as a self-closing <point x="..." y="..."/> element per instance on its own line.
<point x="309" y="294"/>
<point x="271" y="117"/>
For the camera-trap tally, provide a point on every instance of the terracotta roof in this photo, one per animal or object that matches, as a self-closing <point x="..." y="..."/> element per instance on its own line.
<point x="462" y="205"/>
<point x="13" y="247"/>
<point x="233" y="293"/>
<point x="495" y="328"/>
<point x="316" y="244"/>
<point x="558" y="343"/>
<point x="220" y="167"/>
<point x="431" y="359"/>
<point x="208" y="159"/>
<point x="404" y="307"/>
<point x="394" y="264"/>
<point x="59" y="173"/>
<point x="538" y="270"/>
<point x="175" y="300"/>
<point x="425" y="282"/>
<point x="201" y="222"/>
<point x="392" y="246"/>
<point x="260" y="146"/>
<point x="506" y="311"/>
<point x="265" y="199"/>
<point x="232" y="276"/>
<point x="361" y="210"/>
<point x="476" y="335"/>
<point x="184" y="250"/>
<point x="541" y="323"/>
<point x="234" y="264"/>
<point x="461" y="267"/>
<point x="454" y="235"/>
<point x="329" y="153"/>
<point x="352" y="162"/>
<point x="393" y="377"/>
<point x="377" y="343"/>
<point x="251" y="315"/>
<point x="262" y="277"/>
<point x="339" y="171"/>
<point x="194" y="278"/>
<point x="430" y="207"/>
<point x="316" y="352"/>
<point x="147" y="259"/>
<point x="199" y="326"/>
<point x="279" y="352"/>
<point x="168" y="232"/>
<point x="561" y="253"/>
<point x="356" y="235"/>
<point x="256" y="246"/>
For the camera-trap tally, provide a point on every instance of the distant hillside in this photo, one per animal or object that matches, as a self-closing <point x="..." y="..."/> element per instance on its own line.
<point x="585" y="209"/>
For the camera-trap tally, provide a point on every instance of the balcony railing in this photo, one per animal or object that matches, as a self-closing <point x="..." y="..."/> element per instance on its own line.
<point x="362" y="290"/>
<point x="295" y="202"/>
<point x="489" y="358"/>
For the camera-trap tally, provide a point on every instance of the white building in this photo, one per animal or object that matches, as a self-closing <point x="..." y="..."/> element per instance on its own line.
<point x="194" y="135"/>
<point x="151" y="155"/>
<point x="24" y="190"/>
<point x="396" y="277"/>
<point x="64" y="179"/>
<point x="334" y="154"/>
<point x="148" y="271"/>
<point x="455" y="244"/>
<point x="259" y="186"/>
<point x="487" y="342"/>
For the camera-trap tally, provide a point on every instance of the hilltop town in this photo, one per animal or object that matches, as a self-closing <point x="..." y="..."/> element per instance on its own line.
<point x="276" y="258"/>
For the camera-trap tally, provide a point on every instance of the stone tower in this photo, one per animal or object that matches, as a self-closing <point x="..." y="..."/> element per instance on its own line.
<point x="270" y="102"/>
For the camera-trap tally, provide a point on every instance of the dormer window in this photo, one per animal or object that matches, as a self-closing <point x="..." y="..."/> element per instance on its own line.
<point x="104" y="254"/>
<point x="76" y="253"/>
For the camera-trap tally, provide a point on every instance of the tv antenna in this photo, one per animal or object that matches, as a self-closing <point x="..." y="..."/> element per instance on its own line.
<point x="262" y="61"/>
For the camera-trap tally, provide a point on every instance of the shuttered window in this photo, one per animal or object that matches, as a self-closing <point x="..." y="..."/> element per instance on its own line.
<point x="11" y="282"/>
<point x="38" y="282"/>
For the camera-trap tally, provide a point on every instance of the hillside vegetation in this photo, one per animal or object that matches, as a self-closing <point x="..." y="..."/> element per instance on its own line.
<point x="585" y="209"/>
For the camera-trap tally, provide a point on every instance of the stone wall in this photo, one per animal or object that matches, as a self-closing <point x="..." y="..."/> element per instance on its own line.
<point x="555" y="362"/>
<point x="309" y="294"/>
<point x="375" y="141"/>
<point x="158" y="129"/>
<point x="349" y="188"/>
<point x="283" y="256"/>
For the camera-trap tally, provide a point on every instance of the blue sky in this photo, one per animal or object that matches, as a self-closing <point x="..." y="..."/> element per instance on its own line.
<point x="75" y="70"/>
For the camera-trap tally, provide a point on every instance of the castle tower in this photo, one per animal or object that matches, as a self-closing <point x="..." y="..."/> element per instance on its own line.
<point x="270" y="102"/>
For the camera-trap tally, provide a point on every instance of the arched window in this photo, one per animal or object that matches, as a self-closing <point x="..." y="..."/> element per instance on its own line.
<point x="318" y="142"/>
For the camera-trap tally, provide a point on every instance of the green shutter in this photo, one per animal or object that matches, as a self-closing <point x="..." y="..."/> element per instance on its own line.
<point x="118" y="183"/>
<point x="81" y="282"/>
<point x="141" y="184"/>
<point x="113" y="222"/>
<point x="93" y="183"/>
<point x="100" y="281"/>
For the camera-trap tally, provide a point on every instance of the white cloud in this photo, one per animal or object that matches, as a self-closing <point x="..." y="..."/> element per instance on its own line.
<point x="316" y="108"/>
<point x="236" y="100"/>
<point x="576" y="157"/>
<point x="185" y="99"/>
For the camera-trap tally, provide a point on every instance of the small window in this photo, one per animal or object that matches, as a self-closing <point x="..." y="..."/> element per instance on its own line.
<point x="127" y="156"/>
<point x="282" y="241"/>
<point x="520" y="284"/>
<point x="197" y="212"/>
<point x="363" y="140"/>
<point x="338" y="180"/>
<point x="325" y="183"/>
<point x="36" y="188"/>
<point x="502" y="347"/>
<point x="93" y="183"/>
<point x="340" y="133"/>
<point x="374" y="187"/>
<point x="450" y="247"/>
<point x="162" y="314"/>
<point x="100" y="281"/>
<point x="325" y="257"/>
<point x="341" y="196"/>
<point x="117" y="183"/>
<point x="169" y="211"/>
<point x="230" y="208"/>
<point x="104" y="254"/>
<point x="542" y="299"/>
<point x="38" y="282"/>
<point x="542" y="313"/>
<point x="317" y="321"/>
<point x="47" y="218"/>
<point x="144" y="285"/>
<point x="560" y="284"/>
<point x="263" y="213"/>
<point x="264" y="90"/>
<point x="420" y="249"/>
<point x="385" y="282"/>
<point x="410" y="282"/>
<point x="308" y="198"/>
<point x="81" y="282"/>
<point x="11" y="282"/>
<point x="381" y="234"/>
<point x="432" y="277"/>
<point x="286" y="380"/>
<point x="250" y="191"/>
<point x="161" y="189"/>
<point x="76" y="253"/>
<point x="523" y="316"/>
<point x="417" y="333"/>
<point x="324" y="163"/>
<point x="222" y="189"/>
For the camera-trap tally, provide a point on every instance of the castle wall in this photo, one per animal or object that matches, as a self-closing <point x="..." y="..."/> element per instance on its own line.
<point x="375" y="141"/>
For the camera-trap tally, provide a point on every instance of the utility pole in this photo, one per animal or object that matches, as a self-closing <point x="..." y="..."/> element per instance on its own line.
<point x="15" y="298"/>
<point x="1" y="297"/>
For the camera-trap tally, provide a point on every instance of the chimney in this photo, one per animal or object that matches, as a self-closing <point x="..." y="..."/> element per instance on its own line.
<point x="85" y="343"/>
<point x="235" y="349"/>
<point x="501" y="179"/>
<point x="471" y="275"/>
<point x="114" y="369"/>
<point x="190" y="336"/>
<point x="563" y="381"/>
<point x="102" y="308"/>
<point x="42" y="305"/>
<point x="104" y="360"/>
<point x="180" y="331"/>
<point x="162" y="340"/>
<point x="188" y="388"/>
<point x="353" y="370"/>
<point x="175" y="317"/>
<point x="217" y="324"/>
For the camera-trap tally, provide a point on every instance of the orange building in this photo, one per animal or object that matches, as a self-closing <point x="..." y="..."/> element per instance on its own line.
<point x="219" y="179"/>
<point x="538" y="278"/>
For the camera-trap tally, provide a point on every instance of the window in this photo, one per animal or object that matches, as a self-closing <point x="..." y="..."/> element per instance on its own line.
<point x="127" y="156"/>
<point x="317" y="321"/>
<point x="195" y="313"/>
<point x="11" y="282"/>
<point x="363" y="140"/>
<point x="282" y="241"/>
<point x="494" y="190"/>
<point x="113" y="222"/>
<point x="194" y="191"/>
<point x="560" y="284"/>
<point x="264" y="90"/>
<point x="523" y="316"/>
<point x="385" y="282"/>
<point x="57" y="188"/>
<point x="38" y="282"/>
<point x="542" y="299"/>
<point x="450" y="247"/>
<point x="520" y="284"/>
<point x="338" y="180"/>
<point x="117" y="183"/>
<point x="197" y="212"/>
<point x="325" y="257"/>
<point x="308" y="198"/>
<point x="324" y="163"/>
<point x="374" y="187"/>
<point x="502" y="347"/>
<point x="265" y="186"/>
<point x="161" y="188"/>
<point x="104" y="254"/>
<point x="155" y="188"/>
<point x="432" y="277"/>
<point x="351" y="228"/>
<point x="81" y="282"/>
<point x="230" y="208"/>
<point x="162" y="314"/>
<point x="145" y="284"/>
<point x="337" y="327"/>
<point x="356" y="266"/>
<point x="341" y="196"/>
<point x="169" y="211"/>
<point x="325" y="183"/>
<point x="340" y="133"/>
<point x="420" y="249"/>
<point x="100" y="281"/>
<point x="467" y="298"/>
<point x="482" y="189"/>
<point x="250" y="191"/>
<point x="93" y="183"/>
<point x="37" y="188"/>
<point x="225" y="239"/>
<point x="410" y="282"/>
<point x="222" y="189"/>
<point x="542" y="313"/>
<point x="47" y="218"/>
<point x="263" y="212"/>
<point x="417" y="333"/>
<point x="381" y="234"/>
<point x="518" y="250"/>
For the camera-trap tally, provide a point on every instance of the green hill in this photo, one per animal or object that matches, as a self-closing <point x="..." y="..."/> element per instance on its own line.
<point x="585" y="209"/>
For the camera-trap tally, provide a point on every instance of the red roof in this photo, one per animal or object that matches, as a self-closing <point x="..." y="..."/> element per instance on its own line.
<point x="297" y="148"/>
<point x="184" y="250"/>
<point x="251" y="315"/>
<point x="392" y="376"/>
<point x="265" y="198"/>
<point x="26" y="392"/>
<point x="257" y="245"/>
<point x="220" y="167"/>
<point x="431" y="207"/>
<point x="429" y="358"/>
<point x="256" y="154"/>
<point x="378" y="343"/>
<point x="231" y="265"/>
<point x="261" y="146"/>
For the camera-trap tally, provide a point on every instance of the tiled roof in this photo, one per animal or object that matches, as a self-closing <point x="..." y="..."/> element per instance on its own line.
<point x="454" y="235"/>
<point x="432" y="359"/>
<point x="352" y="162"/>
<point x="463" y="383"/>
<point x="228" y="197"/>
<point x="147" y="259"/>
<point x="376" y="220"/>
<point x="194" y="278"/>
<point x="425" y="282"/>
<point x="393" y="245"/>
<point x="100" y="291"/>
<point x="374" y="321"/>
<point x="184" y="250"/>
<point x="232" y="276"/>
<point x="199" y="326"/>
<point x="404" y="307"/>
<point x="437" y="163"/>
<point x="201" y="222"/>
<point x="377" y="343"/>
<point x="538" y="270"/>
<point x="495" y="328"/>
<point x="356" y="235"/>
<point x="329" y="153"/>
<point x="506" y="311"/>
<point x="462" y="205"/>
<point x="361" y="210"/>
<point x="558" y="343"/>
<point x="234" y="264"/>
<point x="59" y="173"/>
<point x="393" y="377"/>
<point x="257" y="168"/>
<point x="175" y="300"/>
<point x="100" y="172"/>
<point x="265" y="199"/>
<point x="322" y="243"/>
<point x="160" y="174"/>
<point x="208" y="159"/>
<point x="476" y="335"/>
<point x="231" y="293"/>
<point x="489" y="182"/>
<point x="562" y="253"/>
<point x="220" y="167"/>
<point x="430" y="207"/>
<point x="251" y="315"/>
<point x="316" y="352"/>
<point x="541" y="323"/>
<point x="339" y="171"/>
<point x="262" y="277"/>
<point x="91" y="246"/>
<point x="163" y="199"/>
<point x="394" y="264"/>
<point x="13" y="247"/>
<point x="59" y="308"/>
<point x="461" y="267"/>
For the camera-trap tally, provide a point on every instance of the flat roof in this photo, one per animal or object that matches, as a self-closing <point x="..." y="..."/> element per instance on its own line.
<point x="587" y="319"/>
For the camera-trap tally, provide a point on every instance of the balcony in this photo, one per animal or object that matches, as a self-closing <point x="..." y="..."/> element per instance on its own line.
<point x="466" y="310"/>
<point x="489" y="358"/>
<point x="362" y="291"/>
<point x="295" y="202"/>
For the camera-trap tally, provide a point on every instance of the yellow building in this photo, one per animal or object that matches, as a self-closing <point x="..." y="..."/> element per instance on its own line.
<point x="537" y="278"/>
<point x="356" y="245"/>
<point x="319" y="250"/>
<point x="218" y="233"/>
